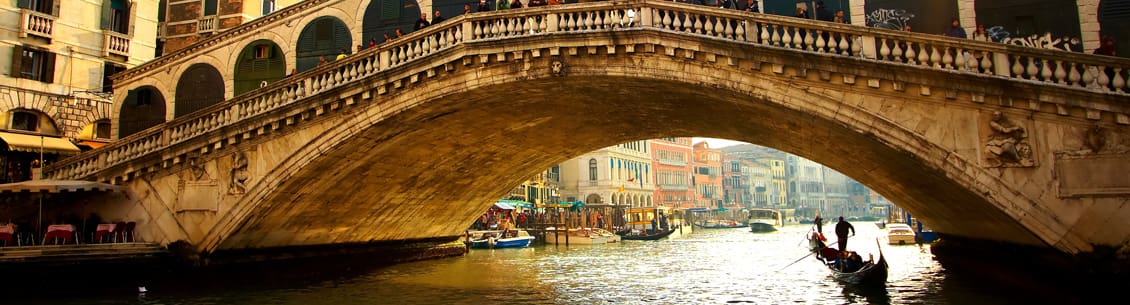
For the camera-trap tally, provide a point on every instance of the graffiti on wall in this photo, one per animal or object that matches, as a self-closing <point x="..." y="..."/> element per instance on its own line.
<point x="891" y="19"/>
<point x="1046" y="41"/>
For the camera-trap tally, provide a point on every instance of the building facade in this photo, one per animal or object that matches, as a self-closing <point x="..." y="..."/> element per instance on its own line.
<point x="56" y="94"/>
<point x="671" y="159"/>
<point x="707" y="176"/>
<point x="620" y="174"/>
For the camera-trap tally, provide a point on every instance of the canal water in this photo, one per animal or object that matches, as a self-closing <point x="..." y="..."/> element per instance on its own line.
<point x="710" y="266"/>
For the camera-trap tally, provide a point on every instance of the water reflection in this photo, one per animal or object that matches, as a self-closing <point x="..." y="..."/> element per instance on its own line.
<point x="707" y="267"/>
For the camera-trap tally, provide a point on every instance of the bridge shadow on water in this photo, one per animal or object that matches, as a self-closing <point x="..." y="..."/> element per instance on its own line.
<point x="84" y="283"/>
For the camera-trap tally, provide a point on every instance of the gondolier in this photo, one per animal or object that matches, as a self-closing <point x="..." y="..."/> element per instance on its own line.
<point x="842" y="228"/>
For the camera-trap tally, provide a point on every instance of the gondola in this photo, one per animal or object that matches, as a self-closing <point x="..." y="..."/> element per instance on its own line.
<point x="869" y="273"/>
<point x="653" y="236"/>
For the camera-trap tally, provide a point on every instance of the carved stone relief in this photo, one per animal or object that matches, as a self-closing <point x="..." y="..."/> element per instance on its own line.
<point x="196" y="169"/>
<point x="1007" y="143"/>
<point x="239" y="174"/>
<point x="557" y="68"/>
<point x="1095" y="139"/>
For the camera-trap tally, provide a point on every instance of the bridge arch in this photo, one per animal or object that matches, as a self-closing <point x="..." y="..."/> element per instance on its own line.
<point x="142" y="108"/>
<point x="199" y="86"/>
<point x="261" y="62"/>
<point x="867" y="146"/>
<point x="322" y="38"/>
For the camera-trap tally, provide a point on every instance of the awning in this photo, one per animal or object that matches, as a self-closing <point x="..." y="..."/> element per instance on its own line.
<point x="30" y="143"/>
<point x="58" y="186"/>
<point x="503" y="206"/>
<point x="92" y="144"/>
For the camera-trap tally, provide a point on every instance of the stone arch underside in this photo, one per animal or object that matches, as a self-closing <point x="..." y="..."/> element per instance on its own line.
<point x="475" y="145"/>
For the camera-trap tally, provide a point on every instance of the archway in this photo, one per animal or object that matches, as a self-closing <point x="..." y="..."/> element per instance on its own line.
<point x="200" y="86"/>
<point x="324" y="37"/>
<point x="260" y="63"/>
<point x="384" y="17"/>
<point x="143" y="108"/>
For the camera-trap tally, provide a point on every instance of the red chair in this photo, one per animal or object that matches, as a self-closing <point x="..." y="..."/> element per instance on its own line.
<point x="129" y="231"/>
<point x="119" y="232"/>
<point x="6" y="232"/>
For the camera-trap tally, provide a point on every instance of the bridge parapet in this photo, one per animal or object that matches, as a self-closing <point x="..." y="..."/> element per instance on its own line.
<point x="1072" y="71"/>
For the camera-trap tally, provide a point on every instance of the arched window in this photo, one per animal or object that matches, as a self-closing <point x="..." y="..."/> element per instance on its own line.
<point x="22" y="120"/>
<point x="592" y="169"/>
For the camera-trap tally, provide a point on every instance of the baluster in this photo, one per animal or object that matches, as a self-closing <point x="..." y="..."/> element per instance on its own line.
<point x="910" y="58"/>
<point x="698" y="27"/>
<point x="884" y="51"/>
<point x="667" y="24"/>
<point x="478" y="30"/>
<point x="677" y="25"/>
<point x="948" y="60"/>
<point x="928" y="56"/>
<point x="798" y="40"/>
<point x="765" y="38"/>
<point x="1119" y="82"/>
<point x="986" y="64"/>
<point x="719" y="30"/>
<point x="820" y="42"/>
<point x="1103" y="79"/>
<point x="1045" y="70"/>
<point x="1088" y="76"/>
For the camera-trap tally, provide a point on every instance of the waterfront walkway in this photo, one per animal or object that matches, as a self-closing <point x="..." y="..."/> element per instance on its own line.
<point x="74" y="254"/>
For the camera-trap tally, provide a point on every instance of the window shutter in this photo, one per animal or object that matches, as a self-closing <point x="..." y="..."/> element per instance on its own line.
<point x="55" y="10"/>
<point x="49" y="68"/>
<point x="132" y="16"/>
<point x="24" y="4"/>
<point x="17" y="61"/>
<point x="106" y="11"/>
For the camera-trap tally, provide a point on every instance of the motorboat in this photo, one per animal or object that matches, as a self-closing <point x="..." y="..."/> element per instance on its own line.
<point x="580" y="236"/>
<point x="900" y="234"/>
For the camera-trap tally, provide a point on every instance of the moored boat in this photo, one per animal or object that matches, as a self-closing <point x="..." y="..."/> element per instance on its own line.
<point x="581" y="236"/>
<point x="723" y="224"/>
<point x="499" y="239"/>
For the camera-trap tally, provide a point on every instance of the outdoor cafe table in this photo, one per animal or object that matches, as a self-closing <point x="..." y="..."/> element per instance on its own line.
<point x="103" y="230"/>
<point x="6" y="233"/>
<point x="64" y="232"/>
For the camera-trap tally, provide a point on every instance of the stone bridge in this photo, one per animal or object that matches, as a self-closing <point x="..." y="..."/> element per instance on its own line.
<point x="411" y="140"/>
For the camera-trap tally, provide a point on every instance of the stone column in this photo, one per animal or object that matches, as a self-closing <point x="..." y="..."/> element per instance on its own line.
<point x="1089" y="24"/>
<point x="858" y="12"/>
<point x="967" y="14"/>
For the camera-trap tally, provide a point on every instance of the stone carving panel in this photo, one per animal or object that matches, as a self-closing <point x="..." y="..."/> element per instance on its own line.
<point x="1007" y="142"/>
<point x="239" y="174"/>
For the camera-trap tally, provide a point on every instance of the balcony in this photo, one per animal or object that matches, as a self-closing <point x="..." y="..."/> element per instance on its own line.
<point x="114" y="43"/>
<point x="207" y="24"/>
<point x="36" y="23"/>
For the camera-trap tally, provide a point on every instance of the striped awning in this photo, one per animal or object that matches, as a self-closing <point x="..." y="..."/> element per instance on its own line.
<point x="35" y="144"/>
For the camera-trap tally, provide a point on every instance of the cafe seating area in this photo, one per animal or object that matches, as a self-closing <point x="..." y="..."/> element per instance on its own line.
<point x="12" y="235"/>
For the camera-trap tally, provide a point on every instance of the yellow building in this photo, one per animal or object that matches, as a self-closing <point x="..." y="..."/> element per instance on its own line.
<point x="56" y="90"/>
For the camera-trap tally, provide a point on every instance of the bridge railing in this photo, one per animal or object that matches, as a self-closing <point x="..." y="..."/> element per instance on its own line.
<point x="1095" y="73"/>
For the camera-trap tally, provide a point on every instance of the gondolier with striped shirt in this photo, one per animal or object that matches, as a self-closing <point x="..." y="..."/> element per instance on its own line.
<point x="842" y="228"/>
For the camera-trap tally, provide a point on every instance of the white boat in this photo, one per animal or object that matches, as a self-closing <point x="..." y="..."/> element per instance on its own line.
<point x="900" y="234"/>
<point x="764" y="220"/>
<point x="582" y="236"/>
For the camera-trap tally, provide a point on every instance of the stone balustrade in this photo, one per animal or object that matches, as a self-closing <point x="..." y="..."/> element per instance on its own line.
<point x="1106" y="75"/>
<point x="115" y="43"/>
<point x="36" y="23"/>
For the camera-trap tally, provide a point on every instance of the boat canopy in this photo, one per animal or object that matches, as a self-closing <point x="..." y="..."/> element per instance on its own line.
<point x="503" y="206"/>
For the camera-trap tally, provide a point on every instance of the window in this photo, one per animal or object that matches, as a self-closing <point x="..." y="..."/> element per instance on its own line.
<point x="209" y="7"/>
<point x="269" y="7"/>
<point x="119" y="16"/>
<point x="22" y="120"/>
<point x="109" y="69"/>
<point x="262" y="51"/>
<point x="42" y="6"/>
<point x="33" y="64"/>
<point x="592" y="169"/>
<point x="102" y="129"/>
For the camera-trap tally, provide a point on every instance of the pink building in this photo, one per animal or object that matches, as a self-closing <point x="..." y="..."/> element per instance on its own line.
<point x="671" y="159"/>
